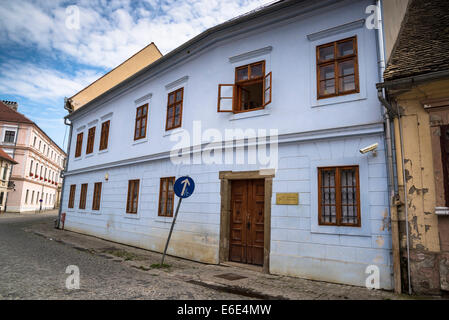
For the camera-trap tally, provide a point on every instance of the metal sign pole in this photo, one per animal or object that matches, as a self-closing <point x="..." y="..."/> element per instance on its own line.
<point x="171" y="230"/>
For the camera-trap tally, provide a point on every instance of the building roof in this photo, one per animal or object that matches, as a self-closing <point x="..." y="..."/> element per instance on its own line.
<point x="9" y="115"/>
<point x="422" y="45"/>
<point x="137" y="62"/>
<point x="5" y="156"/>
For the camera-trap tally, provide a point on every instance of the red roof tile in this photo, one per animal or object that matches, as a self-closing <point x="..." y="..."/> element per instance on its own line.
<point x="8" y="114"/>
<point x="5" y="156"/>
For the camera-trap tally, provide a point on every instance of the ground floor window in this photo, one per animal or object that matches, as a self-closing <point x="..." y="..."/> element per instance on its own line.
<point x="97" y="196"/>
<point x="71" y="196"/>
<point x="133" y="196"/>
<point x="166" y="197"/>
<point x="339" y="196"/>
<point x="83" y="196"/>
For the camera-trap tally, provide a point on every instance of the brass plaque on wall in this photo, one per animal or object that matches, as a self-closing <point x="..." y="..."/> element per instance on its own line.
<point x="287" y="198"/>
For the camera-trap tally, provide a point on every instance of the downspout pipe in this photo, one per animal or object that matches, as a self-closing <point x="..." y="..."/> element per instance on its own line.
<point x="66" y="164"/>
<point x="389" y="112"/>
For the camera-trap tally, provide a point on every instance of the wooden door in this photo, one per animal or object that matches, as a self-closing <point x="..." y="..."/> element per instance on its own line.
<point x="247" y="221"/>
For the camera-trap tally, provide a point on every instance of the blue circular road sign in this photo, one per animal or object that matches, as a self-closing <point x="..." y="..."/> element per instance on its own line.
<point x="184" y="187"/>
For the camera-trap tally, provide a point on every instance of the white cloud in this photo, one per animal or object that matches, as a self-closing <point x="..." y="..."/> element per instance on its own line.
<point x="41" y="84"/>
<point x="112" y="31"/>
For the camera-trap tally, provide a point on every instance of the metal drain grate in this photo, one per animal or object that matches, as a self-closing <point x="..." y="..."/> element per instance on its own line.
<point x="230" y="276"/>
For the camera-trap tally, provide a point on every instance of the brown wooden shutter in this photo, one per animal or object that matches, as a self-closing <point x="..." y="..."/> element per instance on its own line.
<point x="79" y="144"/>
<point x="104" y="135"/>
<point x="267" y="89"/>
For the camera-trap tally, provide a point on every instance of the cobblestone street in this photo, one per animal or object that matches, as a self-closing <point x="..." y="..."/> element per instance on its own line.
<point x="34" y="257"/>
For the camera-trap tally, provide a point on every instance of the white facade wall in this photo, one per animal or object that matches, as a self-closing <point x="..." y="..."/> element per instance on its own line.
<point x="312" y="133"/>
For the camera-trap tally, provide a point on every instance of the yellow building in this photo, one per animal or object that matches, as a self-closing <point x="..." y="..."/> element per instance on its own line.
<point x="131" y="66"/>
<point x="416" y="83"/>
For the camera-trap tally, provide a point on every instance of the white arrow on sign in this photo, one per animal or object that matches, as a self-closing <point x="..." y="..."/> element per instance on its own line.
<point x="186" y="183"/>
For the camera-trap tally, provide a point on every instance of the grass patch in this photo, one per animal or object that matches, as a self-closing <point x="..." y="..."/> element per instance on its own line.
<point x="159" y="266"/>
<point x="125" y="255"/>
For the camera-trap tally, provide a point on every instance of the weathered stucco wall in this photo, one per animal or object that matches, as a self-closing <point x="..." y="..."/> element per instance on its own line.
<point x="424" y="186"/>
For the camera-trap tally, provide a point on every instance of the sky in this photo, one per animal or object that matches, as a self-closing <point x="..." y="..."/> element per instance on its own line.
<point x="51" y="49"/>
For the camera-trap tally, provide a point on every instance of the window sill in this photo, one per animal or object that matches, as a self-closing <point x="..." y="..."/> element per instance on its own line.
<point x="144" y="140"/>
<point x="173" y="131"/>
<point x="89" y="155"/>
<point x="133" y="216"/>
<point x="78" y="158"/>
<point x="163" y="219"/>
<point x="103" y="151"/>
<point x="250" y="114"/>
<point x="338" y="100"/>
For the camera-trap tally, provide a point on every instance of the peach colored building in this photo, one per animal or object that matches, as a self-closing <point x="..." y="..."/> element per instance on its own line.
<point x="36" y="177"/>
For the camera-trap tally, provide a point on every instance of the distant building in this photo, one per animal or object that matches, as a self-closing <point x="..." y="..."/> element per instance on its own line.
<point x="6" y="163"/>
<point x="39" y="161"/>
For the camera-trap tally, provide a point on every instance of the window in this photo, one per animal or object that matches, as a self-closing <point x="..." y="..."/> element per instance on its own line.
<point x="166" y="197"/>
<point x="31" y="168"/>
<point x="251" y="90"/>
<point x="339" y="196"/>
<point x="104" y="135"/>
<point x="337" y="68"/>
<point x="83" y="196"/>
<point x="34" y="142"/>
<point x="72" y="196"/>
<point x="35" y="171"/>
<point x="90" y="140"/>
<point x="140" y="130"/>
<point x="26" y="196"/>
<point x="97" y="196"/>
<point x="9" y="136"/>
<point x="32" y="197"/>
<point x="174" y="109"/>
<point x="79" y="145"/>
<point x="133" y="196"/>
<point x="37" y="198"/>
<point x="1" y="198"/>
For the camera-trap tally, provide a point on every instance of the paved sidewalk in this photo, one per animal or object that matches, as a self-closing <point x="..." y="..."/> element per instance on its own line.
<point x="231" y="279"/>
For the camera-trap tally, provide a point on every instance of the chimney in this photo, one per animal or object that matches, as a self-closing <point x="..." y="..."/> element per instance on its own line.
<point x="11" y="104"/>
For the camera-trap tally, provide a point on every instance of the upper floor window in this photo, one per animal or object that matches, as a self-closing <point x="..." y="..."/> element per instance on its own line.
<point x="337" y="68"/>
<point x="34" y="142"/>
<point x="251" y="90"/>
<point x="79" y="145"/>
<point x="9" y="136"/>
<point x="31" y="168"/>
<point x="174" y="109"/>
<point x="104" y="135"/>
<point x="90" y="140"/>
<point x="339" y="196"/>
<point x="140" y="130"/>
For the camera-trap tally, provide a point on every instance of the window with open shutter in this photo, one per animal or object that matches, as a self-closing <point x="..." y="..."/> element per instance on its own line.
<point x="251" y="91"/>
